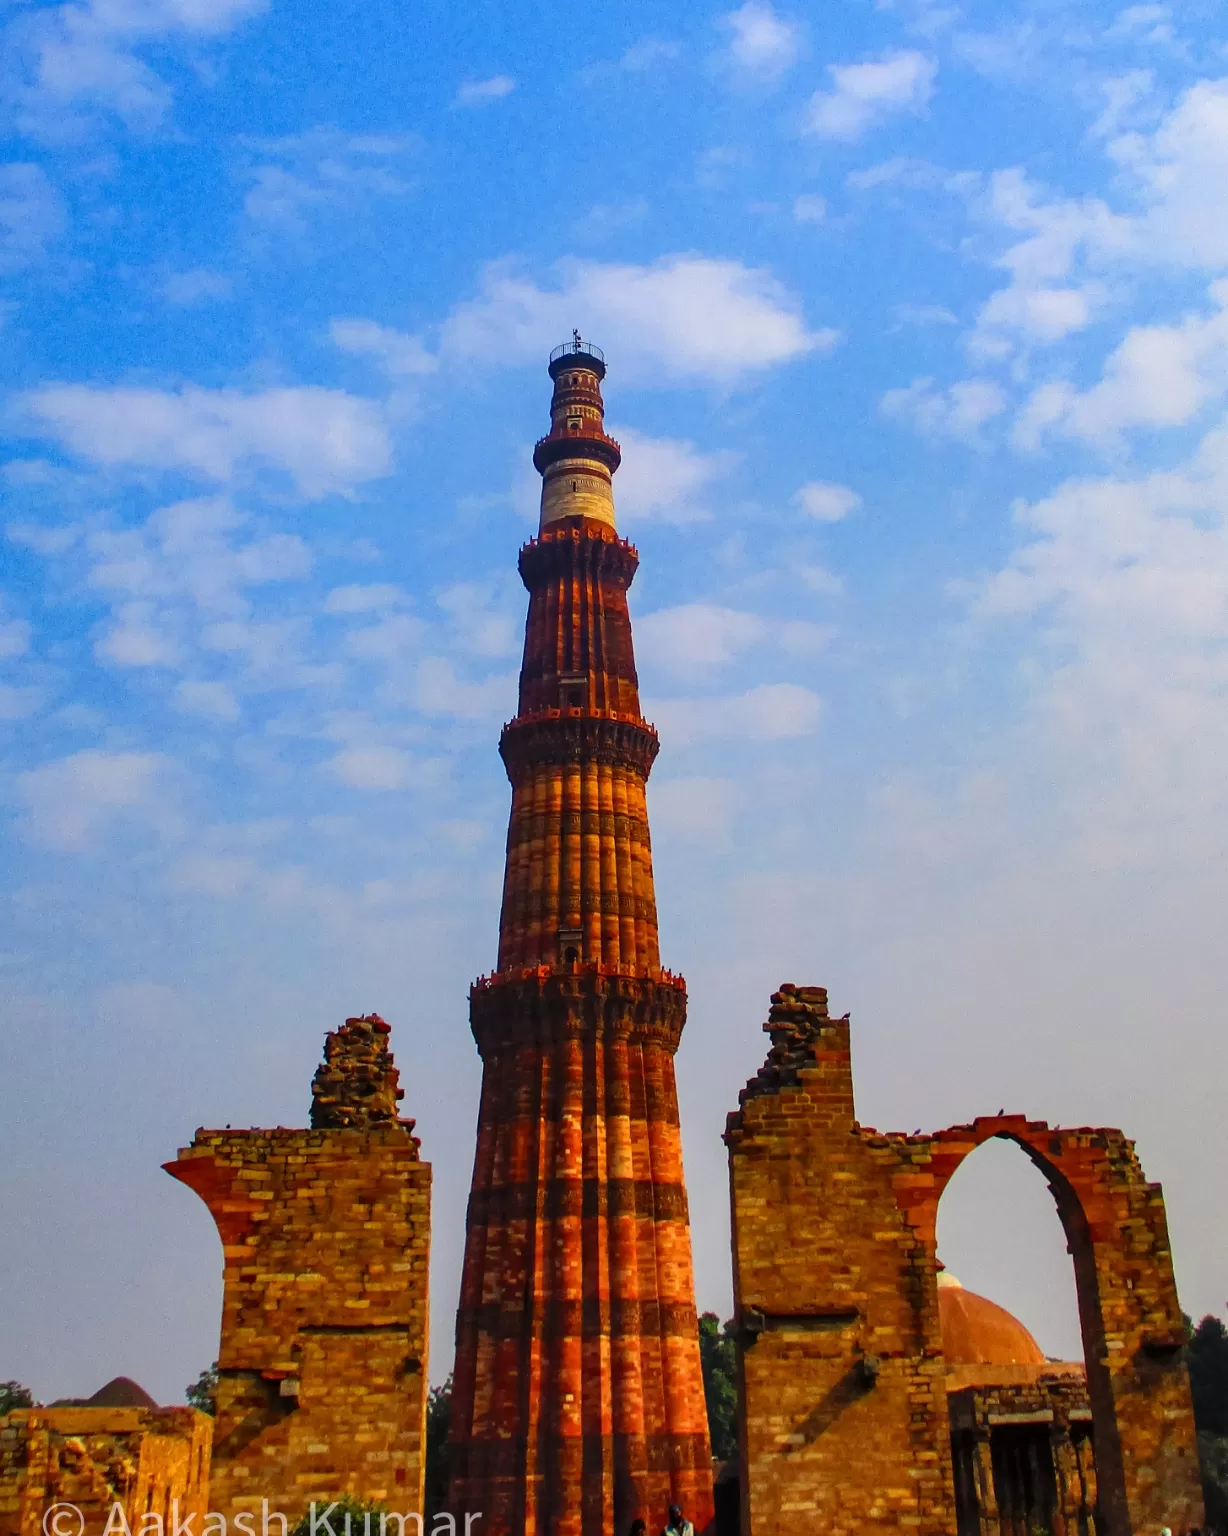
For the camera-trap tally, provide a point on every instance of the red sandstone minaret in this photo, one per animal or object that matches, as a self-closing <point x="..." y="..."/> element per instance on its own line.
<point x="578" y="1399"/>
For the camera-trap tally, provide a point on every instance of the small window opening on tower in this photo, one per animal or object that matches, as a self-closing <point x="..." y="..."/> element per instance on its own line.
<point x="572" y="956"/>
<point x="573" y="690"/>
<point x="575" y="485"/>
<point x="574" y="423"/>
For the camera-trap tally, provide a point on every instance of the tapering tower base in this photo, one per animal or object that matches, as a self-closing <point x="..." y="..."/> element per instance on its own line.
<point x="577" y="1369"/>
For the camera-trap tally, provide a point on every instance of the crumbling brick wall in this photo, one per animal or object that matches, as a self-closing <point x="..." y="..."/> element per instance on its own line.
<point x="844" y="1421"/>
<point x="322" y="1370"/>
<point x="146" y="1460"/>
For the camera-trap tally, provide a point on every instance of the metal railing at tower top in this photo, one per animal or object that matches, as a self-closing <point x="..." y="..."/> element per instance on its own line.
<point x="577" y="348"/>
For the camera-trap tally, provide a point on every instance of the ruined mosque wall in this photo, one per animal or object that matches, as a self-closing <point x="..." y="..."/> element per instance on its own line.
<point x="844" y="1412"/>
<point x="322" y="1369"/>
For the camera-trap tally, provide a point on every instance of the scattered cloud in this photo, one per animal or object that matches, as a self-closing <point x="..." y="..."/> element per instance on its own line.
<point x="215" y="701"/>
<point x="480" y="93"/>
<point x="325" y="441"/>
<point x="322" y="171"/>
<point x="770" y="712"/>
<point x="925" y="314"/>
<point x="693" y="810"/>
<point x="864" y="95"/>
<point x="1125" y="585"/>
<point x="196" y="286"/>
<point x="373" y="768"/>
<point x="649" y="53"/>
<point x="1142" y="24"/>
<point x="377" y="597"/>
<point x="72" y="802"/>
<point x="680" y="317"/>
<point x="665" y="478"/>
<point x="825" y="502"/>
<point x="958" y="411"/>
<point x="762" y="45"/>
<point x="694" y="636"/>
<point x="809" y="208"/>
<point x="1159" y="376"/>
<point x="398" y="352"/>
<point x="14" y="638"/>
<point x="32" y="216"/>
<point x="81" y="60"/>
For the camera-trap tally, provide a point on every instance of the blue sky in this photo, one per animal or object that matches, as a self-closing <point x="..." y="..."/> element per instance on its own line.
<point x="917" y="327"/>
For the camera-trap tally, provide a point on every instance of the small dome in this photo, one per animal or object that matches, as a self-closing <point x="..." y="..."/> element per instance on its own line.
<point x="976" y="1331"/>
<point x="120" y="1392"/>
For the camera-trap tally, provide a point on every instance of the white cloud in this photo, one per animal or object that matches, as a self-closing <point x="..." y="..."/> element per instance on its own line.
<point x="694" y="810"/>
<point x="1182" y="171"/>
<point x="373" y="767"/>
<point x="770" y="712"/>
<point x="1142" y="24"/>
<point x="665" y="478"/>
<point x="216" y="701"/>
<point x="1159" y="376"/>
<point x="32" y="216"/>
<point x="696" y="634"/>
<point x="72" y="802"/>
<point x="327" y="442"/>
<point x="14" y="638"/>
<point x="397" y="352"/>
<point x="323" y="170"/>
<point x="440" y="691"/>
<point x="1125" y="587"/>
<point x="864" y="95"/>
<point x="18" y="703"/>
<point x="135" y="639"/>
<point x="375" y="597"/>
<point x="925" y="314"/>
<point x="681" y="317"/>
<point x="810" y="208"/>
<point x="480" y="93"/>
<point x="763" y="45"/>
<point x="1040" y="315"/>
<point x="391" y="640"/>
<point x="196" y="286"/>
<point x="86" y="56"/>
<point x="649" y="53"/>
<point x="959" y="411"/>
<point x="825" y="501"/>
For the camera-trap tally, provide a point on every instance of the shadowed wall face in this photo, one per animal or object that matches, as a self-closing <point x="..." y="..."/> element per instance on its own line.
<point x="578" y="1397"/>
<point x="145" y="1460"/>
<point x="845" y="1424"/>
<point x="322" y="1366"/>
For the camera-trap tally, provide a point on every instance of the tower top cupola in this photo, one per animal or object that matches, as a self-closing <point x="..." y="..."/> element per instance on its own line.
<point x="577" y="458"/>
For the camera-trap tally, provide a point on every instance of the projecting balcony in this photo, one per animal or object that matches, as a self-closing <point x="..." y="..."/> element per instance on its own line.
<point x="577" y="353"/>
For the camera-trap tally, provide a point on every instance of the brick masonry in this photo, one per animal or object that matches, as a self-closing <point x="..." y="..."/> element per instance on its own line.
<point x="578" y="1399"/>
<point x="845" y="1419"/>
<point x="146" y="1460"/>
<point x="326" y="1241"/>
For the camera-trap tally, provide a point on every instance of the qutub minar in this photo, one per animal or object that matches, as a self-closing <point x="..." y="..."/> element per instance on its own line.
<point x="578" y="1398"/>
<point x="876" y="1397"/>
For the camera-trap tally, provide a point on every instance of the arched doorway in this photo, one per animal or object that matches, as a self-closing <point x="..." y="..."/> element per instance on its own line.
<point x="1022" y="1446"/>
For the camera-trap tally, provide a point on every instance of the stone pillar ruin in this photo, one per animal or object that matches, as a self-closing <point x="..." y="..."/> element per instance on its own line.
<point x="322" y="1367"/>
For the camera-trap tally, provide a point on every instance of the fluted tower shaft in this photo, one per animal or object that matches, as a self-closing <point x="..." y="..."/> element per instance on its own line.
<point x="578" y="1398"/>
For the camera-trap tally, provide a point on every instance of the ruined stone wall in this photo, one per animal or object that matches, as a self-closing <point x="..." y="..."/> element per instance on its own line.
<point x="326" y="1236"/>
<point x="835" y="1269"/>
<point x="844" y="1412"/>
<point x="143" y="1459"/>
